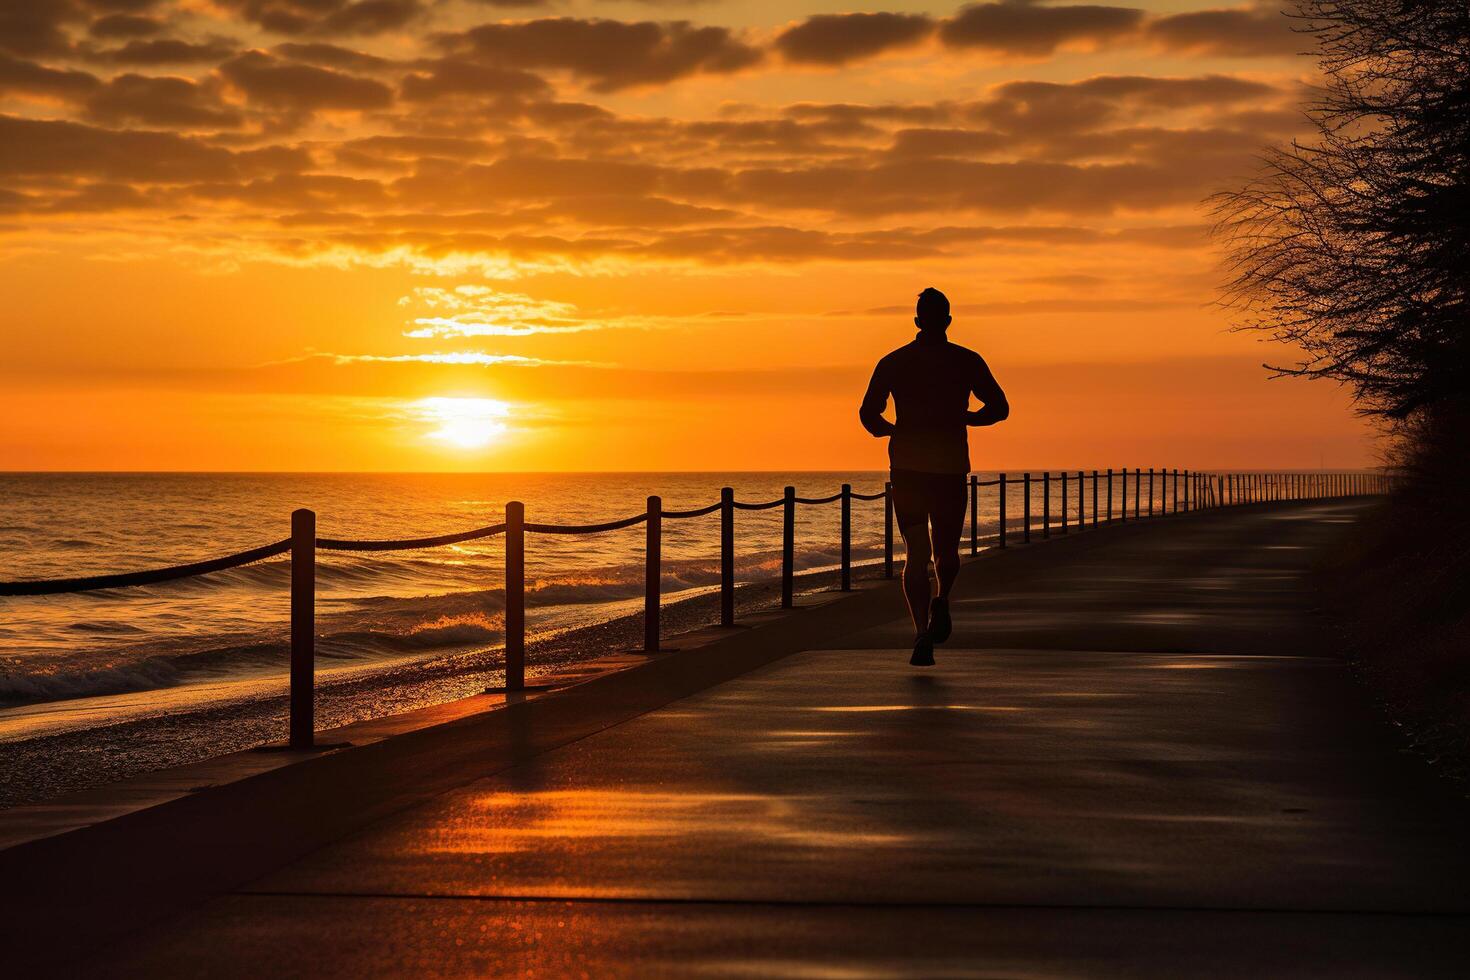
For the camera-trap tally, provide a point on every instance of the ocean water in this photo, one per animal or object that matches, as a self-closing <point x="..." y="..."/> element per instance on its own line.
<point x="372" y="607"/>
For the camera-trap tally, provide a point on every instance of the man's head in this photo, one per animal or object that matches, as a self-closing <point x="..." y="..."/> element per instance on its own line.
<point x="931" y="314"/>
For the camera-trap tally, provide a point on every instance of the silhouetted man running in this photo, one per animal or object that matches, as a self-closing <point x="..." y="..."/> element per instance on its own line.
<point x="931" y="381"/>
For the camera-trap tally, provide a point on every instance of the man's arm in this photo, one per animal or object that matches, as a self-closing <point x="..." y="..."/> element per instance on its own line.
<point x="992" y="398"/>
<point x="875" y="402"/>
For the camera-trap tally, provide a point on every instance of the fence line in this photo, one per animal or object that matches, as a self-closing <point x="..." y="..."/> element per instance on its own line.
<point x="1194" y="490"/>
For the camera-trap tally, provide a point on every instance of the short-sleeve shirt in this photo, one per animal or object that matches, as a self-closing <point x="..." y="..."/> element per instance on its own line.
<point x="931" y="382"/>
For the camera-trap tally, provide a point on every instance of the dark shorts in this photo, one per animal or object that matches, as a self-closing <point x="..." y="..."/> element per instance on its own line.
<point x="924" y="498"/>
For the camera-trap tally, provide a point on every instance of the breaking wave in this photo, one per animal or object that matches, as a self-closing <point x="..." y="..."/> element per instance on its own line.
<point x="359" y="619"/>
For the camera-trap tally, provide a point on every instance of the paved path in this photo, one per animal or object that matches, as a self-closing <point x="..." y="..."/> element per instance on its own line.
<point x="1138" y="756"/>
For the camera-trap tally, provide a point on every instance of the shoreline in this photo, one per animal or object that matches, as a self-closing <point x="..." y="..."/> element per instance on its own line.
<point x="33" y="770"/>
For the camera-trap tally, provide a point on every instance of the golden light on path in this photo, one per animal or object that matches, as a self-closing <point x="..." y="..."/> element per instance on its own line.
<point x="467" y="423"/>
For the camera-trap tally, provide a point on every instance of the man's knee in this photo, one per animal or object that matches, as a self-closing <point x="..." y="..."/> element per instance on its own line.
<point x="947" y="544"/>
<point x="916" y="545"/>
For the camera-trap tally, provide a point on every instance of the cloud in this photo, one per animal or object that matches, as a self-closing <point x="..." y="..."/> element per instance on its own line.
<point x="629" y="211"/>
<point x="297" y="190"/>
<point x="168" y="50"/>
<point x="32" y="28"/>
<point x="1234" y="32"/>
<point x="125" y="25"/>
<point x="327" y="17"/>
<point x="725" y="246"/>
<point x="855" y="118"/>
<point x="479" y="311"/>
<point x="1026" y="27"/>
<point x="1034" y="108"/>
<point x="28" y="78"/>
<point x="414" y="147"/>
<point x="370" y="17"/>
<point x="47" y="148"/>
<point x="925" y="185"/>
<point x="176" y="103"/>
<point x="1207" y="154"/>
<point x="947" y="143"/>
<point x="532" y="178"/>
<point x="1033" y="307"/>
<point x="35" y="27"/>
<point x="449" y="77"/>
<point x="102" y="197"/>
<point x="609" y="54"/>
<point x="785" y="245"/>
<point x="269" y="81"/>
<point x="1036" y="29"/>
<point x="481" y="149"/>
<point x="331" y="56"/>
<point x="678" y="139"/>
<point x="470" y="357"/>
<point x="34" y="147"/>
<point x="836" y="39"/>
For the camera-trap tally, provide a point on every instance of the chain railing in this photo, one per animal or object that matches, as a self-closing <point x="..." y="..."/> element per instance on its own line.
<point x="1176" y="491"/>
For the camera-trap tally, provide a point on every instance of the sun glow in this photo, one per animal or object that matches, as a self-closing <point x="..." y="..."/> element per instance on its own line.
<point x="468" y="423"/>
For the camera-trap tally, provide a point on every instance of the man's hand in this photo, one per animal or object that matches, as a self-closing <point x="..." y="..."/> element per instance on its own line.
<point x="879" y="426"/>
<point x="984" y="387"/>
<point x="989" y="415"/>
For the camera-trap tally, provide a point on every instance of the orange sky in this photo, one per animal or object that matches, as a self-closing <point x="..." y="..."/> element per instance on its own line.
<point x="402" y="234"/>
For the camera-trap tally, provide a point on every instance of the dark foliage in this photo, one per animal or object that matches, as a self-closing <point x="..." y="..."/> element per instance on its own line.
<point x="1355" y="246"/>
<point x="1402" y="594"/>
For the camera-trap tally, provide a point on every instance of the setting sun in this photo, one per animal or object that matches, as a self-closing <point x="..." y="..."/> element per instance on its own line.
<point x="467" y="423"/>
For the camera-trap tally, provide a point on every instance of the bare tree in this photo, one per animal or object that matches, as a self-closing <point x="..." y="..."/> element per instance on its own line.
<point x="1354" y="246"/>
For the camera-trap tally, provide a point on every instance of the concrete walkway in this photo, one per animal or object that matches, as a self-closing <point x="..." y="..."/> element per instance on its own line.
<point x="1138" y="756"/>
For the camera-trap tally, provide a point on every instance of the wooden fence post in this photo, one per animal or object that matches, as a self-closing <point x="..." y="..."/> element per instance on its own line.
<point x="1123" y="496"/>
<point x="888" y="529"/>
<point x="303" y="628"/>
<point x="847" y="537"/>
<point x="788" y="545"/>
<point x="974" y="514"/>
<point x="1046" y="503"/>
<point x="1094" y="498"/>
<point x="653" y="563"/>
<point x="727" y="556"/>
<point x="515" y="596"/>
<point x="1063" y="501"/>
<point x="1002" y="507"/>
<point x="1026" y="510"/>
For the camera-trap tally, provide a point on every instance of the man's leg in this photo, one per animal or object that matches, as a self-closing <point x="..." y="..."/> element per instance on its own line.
<point x="947" y="517"/>
<point x="948" y="520"/>
<point x="916" y="573"/>
<point x="916" y="589"/>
